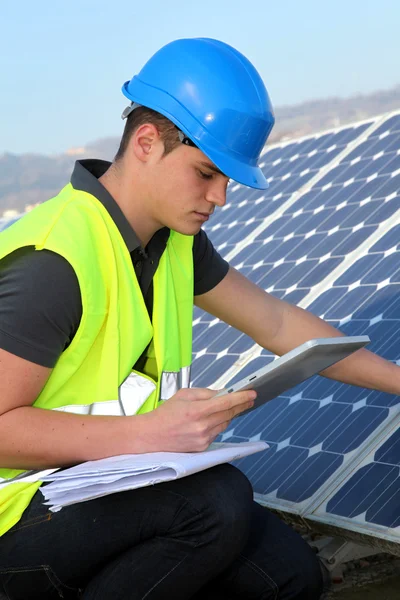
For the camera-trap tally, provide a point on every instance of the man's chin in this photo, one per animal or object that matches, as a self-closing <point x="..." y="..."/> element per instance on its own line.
<point x="188" y="229"/>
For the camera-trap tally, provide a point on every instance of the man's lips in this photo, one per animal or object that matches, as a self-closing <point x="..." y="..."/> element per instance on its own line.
<point x="204" y="215"/>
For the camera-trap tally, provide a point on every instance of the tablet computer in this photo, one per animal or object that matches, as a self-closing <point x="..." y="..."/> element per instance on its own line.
<point x="296" y="366"/>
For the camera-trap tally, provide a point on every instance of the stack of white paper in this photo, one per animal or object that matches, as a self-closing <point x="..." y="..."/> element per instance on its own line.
<point x="118" y="473"/>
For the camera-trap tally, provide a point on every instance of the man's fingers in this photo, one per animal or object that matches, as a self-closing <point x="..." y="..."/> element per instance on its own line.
<point x="196" y="393"/>
<point x="227" y="415"/>
<point x="230" y="401"/>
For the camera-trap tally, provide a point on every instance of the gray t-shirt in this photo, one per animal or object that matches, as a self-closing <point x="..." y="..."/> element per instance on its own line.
<point x="40" y="301"/>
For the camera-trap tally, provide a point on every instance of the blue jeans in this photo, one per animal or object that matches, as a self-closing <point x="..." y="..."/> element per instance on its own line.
<point x="201" y="537"/>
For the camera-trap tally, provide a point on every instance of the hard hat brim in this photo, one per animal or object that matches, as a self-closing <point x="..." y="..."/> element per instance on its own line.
<point x="250" y="176"/>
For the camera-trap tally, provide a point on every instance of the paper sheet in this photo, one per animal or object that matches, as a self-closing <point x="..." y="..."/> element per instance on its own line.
<point x="118" y="473"/>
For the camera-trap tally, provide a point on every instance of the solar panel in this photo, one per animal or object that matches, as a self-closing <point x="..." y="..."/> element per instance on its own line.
<point x="323" y="236"/>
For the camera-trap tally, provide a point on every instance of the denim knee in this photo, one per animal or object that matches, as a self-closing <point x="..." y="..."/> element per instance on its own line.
<point x="227" y="508"/>
<point x="310" y="584"/>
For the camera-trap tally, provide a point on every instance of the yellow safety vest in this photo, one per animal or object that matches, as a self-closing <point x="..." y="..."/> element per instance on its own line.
<point x="94" y="374"/>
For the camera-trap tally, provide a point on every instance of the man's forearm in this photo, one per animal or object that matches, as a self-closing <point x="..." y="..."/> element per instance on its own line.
<point x="34" y="438"/>
<point x="363" y="368"/>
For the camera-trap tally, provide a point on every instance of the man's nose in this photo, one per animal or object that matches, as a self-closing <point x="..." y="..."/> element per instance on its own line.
<point x="217" y="194"/>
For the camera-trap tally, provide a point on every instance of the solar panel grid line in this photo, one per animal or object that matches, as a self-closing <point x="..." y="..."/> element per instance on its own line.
<point x="349" y="261"/>
<point x="317" y="135"/>
<point x="314" y="293"/>
<point x="353" y="461"/>
<point x="373" y="499"/>
<point x="309" y="184"/>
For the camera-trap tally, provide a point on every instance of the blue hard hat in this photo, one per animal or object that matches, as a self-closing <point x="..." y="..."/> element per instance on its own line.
<point x="212" y="93"/>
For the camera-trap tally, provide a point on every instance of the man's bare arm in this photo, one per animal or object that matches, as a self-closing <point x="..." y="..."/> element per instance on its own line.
<point x="35" y="438"/>
<point x="279" y="327"/>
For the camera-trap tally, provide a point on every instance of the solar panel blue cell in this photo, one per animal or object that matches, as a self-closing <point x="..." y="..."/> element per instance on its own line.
<point x="245" y="255"/>
<point x="383" y="270"/>
<point x="326" y="421"/>
<point x="357" y="495"/>
<point x="391" y="239"/>
<point x="305" y="481"/>
<point x="253" y="210"/>
<point x="350" y="134"/>
<point x="361" y="214"/>
<point x="392" y="124"/>
<point x="357" y="271"/>
<point x="392" y="166"/>
<point x="256" y="275"/>
<point x="319" y="272"/>
<point x="304" y="202"/>
<point x="299" y="224"/>
<point x="227" y="338"/>
<point x="350" y="301"/>
<point x="240" y="231"/>
<point x="349" y="394"/>
<point x="198" y="331"/>
<point x="366" y="149"/>
<point x="304" y="246"/>
<point x="382" y="399"/>
<point x="382" y="212"/>
<point x="368" y="189"/>
<point x="274" y="276"/>
<point x="212" y="369"/>
<point x="275" y="250"/>
<point x="296" y="296"/>
<point x="379" y="165"/>
<point x="199" y="365"/>
<point x="357" y="428"/>
<point x="390" y="186"/>
<point x="324" y="158"/>
<point x="354" y="240"/>
<point x="209" y="335"/>
<point x="325" y="300"/>
<point x="242" y="344"/>
<point x="379" y="303"/>
<point x="329" y="218"/>
<point x="325" y="244"/>
<point x="278" y="430"/>
<point x="296" y="274"/>
<point x="323" y="142"/>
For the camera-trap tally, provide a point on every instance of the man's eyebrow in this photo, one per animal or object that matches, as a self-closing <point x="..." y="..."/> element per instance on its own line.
<point x="212" y="168"/>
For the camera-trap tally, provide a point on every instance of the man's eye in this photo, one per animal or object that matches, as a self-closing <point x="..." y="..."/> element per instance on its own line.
<point x="205" y="175"/>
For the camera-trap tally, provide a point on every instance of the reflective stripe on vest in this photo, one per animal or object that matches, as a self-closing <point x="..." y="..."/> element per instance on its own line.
<point x="133" y="393"/>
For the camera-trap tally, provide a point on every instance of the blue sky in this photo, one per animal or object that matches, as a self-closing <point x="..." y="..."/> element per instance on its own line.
<point x="62" y="62"/>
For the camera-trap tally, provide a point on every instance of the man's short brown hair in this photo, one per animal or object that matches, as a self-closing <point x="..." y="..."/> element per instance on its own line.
<point x="141" y="115"/>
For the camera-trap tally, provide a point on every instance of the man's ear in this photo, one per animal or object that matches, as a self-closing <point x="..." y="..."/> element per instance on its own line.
<point x="145" y="141"/>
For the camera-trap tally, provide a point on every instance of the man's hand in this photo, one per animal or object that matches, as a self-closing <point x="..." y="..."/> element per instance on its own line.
<point x="193" y="418"/>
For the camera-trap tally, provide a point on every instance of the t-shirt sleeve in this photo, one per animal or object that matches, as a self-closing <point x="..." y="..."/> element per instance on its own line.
<point x="209" y="266"/>
<point x="40" y="305"/>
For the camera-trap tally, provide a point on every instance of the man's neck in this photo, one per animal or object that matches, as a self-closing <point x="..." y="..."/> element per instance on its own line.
<point x="132" y="202"/>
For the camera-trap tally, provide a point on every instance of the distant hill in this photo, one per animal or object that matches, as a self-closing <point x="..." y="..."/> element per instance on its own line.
<point x="30" y="178"/>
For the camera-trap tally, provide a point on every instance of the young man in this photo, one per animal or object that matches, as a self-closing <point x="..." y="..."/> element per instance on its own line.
<point x="101" y="279"/>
